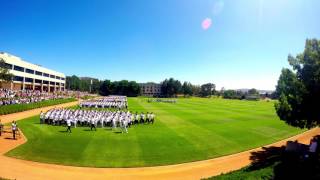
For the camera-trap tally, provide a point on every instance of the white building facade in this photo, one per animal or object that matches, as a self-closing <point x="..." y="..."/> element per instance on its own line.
<point x="28" y="76"/>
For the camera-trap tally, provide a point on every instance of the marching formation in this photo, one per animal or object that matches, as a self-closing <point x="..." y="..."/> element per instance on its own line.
<point x="119" y="102"/>
<point x="94" y="118"/>
<point x="162" y="100"/>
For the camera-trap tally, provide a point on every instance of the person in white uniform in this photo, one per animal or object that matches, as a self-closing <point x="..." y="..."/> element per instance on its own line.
<point x="69" y="125"/>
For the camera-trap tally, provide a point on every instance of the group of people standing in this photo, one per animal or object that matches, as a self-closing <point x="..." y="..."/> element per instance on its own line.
<point x="119" y="102"/>
<point x="94" y="118"/>
<point x="162" y="100"/>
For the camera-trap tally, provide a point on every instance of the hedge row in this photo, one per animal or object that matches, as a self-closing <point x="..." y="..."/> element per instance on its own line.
<point x="13" y="108"/>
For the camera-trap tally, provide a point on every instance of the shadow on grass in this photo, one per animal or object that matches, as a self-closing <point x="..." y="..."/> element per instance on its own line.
<point x="117" y="132"/>
<point x="293" y="161"/>
<point x="89" y="130"/>
<point x="63" y="131"/>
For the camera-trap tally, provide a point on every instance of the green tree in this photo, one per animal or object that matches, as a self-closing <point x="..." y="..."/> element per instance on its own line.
<point x="299" y="90"/>
<point x="5" y="75"/>
<point x="123" y="87"/>
<point x="187" y="89"/>
<point x="105" y="88"/>
<point x="133" y="89"/>
<point x="207" y="89"/>
<point x="73" y="83"/>
<point x="253" y="91"/>
<point x="196" y="90"/>
<point x="229" y="94"/>
<point x="252" y="94"/>
<point x="170" y="87"/>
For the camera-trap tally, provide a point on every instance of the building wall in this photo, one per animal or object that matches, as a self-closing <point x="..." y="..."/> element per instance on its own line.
<point x="150" y="89"/>
<point x="31" y="76"/>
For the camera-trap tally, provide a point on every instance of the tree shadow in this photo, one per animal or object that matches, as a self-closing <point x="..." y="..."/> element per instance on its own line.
<point x="63" y="131"/>
<point x="293" y="161"/>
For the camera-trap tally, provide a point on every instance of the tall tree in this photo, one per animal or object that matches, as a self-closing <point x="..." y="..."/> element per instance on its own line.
<point x="5" y="74"/>
<point x="229" y="94"/>
<point x="105" y="88"/>
<point x="133" y="89"/>
<point x="299" y="90"/>
<point x="73" y="83"/>
<point x="170" y="87"/>
<point x="207" y="89"/>
<point x="196" y="90"/>
<point x="187" y="89"/>
<point x="124" y="87"/>
<point x="253" y="91"/>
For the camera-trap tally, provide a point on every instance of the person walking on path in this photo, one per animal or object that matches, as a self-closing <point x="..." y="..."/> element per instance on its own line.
<point x="1" y="127"/>
<point x="14" y="129"/>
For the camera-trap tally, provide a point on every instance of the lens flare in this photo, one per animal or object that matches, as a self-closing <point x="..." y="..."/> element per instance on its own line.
<point x="206" y="23"/>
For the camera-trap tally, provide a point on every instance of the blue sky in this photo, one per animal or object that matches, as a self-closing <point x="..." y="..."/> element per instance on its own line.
<point x="246" y="45"/>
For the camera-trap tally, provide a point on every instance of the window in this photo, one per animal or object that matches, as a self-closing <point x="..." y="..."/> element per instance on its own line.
<point x="45" y="82"/>
<point x="30" y="80"/>
<point x="52" y="83"/>
<point x="38" y="73"/>
<point x="18" y="78"/>
<point x="38" y="81"/>
<point x="8" y="66"/>
<point x="62" y="78"/>
<point x="57" y="77"/>
<point x="30" y="71"/>
<point x="45" y="75"/>
<point x="62" y="84"/>
<point x="58" y="84"/>
<point x="18" y="68"/>
<point x="52" y="76"/>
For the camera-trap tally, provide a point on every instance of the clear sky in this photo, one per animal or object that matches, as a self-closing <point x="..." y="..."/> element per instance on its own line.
<point x="234" y="44"/>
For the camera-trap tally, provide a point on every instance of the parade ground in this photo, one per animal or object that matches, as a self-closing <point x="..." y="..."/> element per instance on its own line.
<point x="184" y="136"/>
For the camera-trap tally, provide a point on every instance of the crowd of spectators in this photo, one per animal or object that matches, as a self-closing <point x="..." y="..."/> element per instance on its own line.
<point x="80" y="94"/>
<point x="8" y="96"/>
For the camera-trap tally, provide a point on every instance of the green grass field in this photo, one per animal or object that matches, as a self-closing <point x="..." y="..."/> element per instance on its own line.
<point x="190" y="130"/>
<point x="14" y="108"/>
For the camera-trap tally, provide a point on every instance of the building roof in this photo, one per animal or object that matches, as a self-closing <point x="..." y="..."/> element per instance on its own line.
<point x="8" y="58"/>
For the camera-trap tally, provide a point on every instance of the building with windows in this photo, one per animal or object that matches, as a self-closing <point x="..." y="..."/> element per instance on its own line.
<point x="28" y="76"/>
<point x="150" y="89"/>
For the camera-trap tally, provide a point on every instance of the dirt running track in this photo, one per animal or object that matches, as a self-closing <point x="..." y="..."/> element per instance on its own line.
<point x="22" y="169"/>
